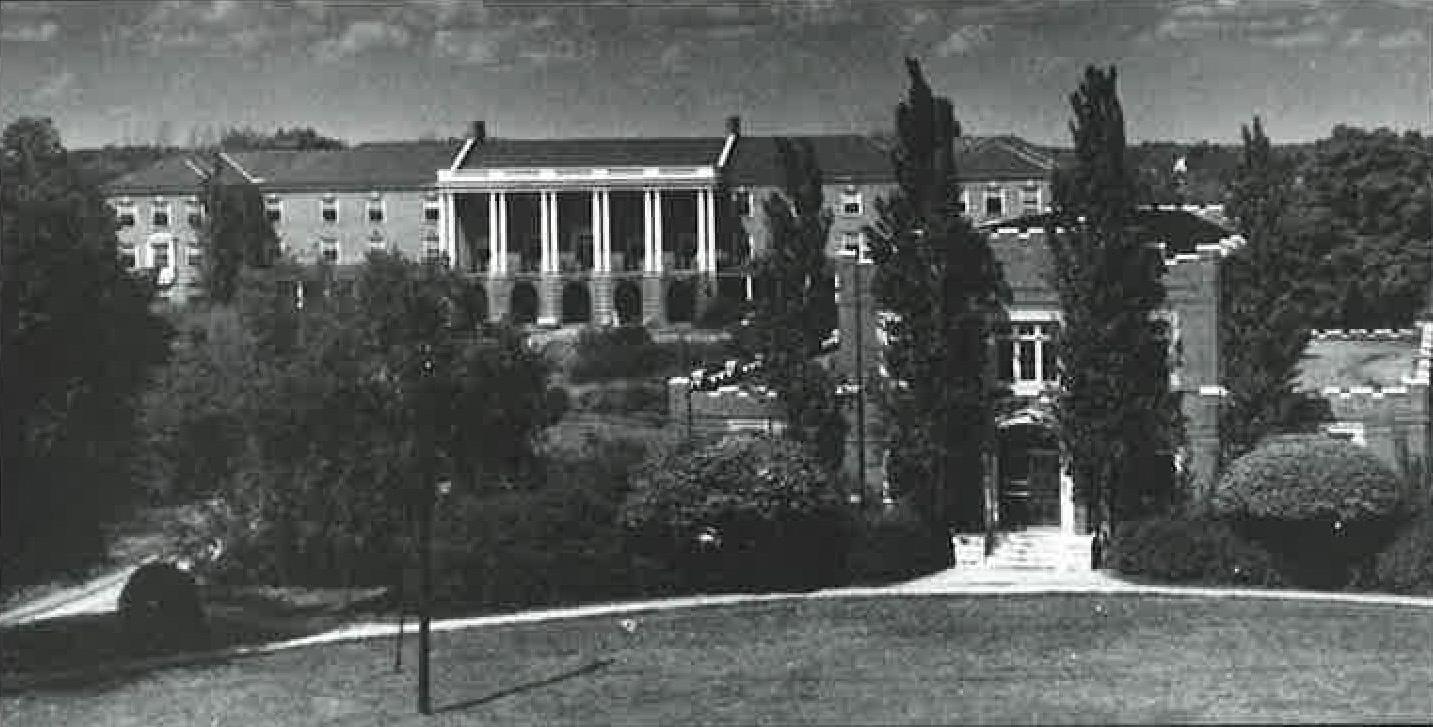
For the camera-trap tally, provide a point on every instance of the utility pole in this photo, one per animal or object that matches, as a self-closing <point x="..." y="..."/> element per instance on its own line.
<point x="425" y="529"/>
<point x="860" y="380"/>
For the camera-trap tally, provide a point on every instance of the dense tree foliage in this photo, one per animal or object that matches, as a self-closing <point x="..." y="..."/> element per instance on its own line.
<point x="237" y="233"/>
<point x="317" y="451"/>
<point x="940" y="279"/>
<point x="748" y="510"/>
<point x="795" y="308"/>
<point x="79" y="339"/>
<point x="1265" y="297"/>
<point x="1366" y="205"/>
<point x="1117" y="414"/>
<point x="296" y="139"/>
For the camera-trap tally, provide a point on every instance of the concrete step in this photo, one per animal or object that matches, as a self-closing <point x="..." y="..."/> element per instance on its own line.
<point x="1039" y="550"/>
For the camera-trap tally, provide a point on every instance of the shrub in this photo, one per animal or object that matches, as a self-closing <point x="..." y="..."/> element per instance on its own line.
<point x="1406" y="565"/>
<point x="1325" y="505"/>
<point x="1191" y="551"/>
<point x="625" y="397"/>
<point x="895" y="545"/>
<point x="610" y="353"/>
<point x="159" y="609"/>
<point x="744" y="512"/>
<point x="721" y="312"/>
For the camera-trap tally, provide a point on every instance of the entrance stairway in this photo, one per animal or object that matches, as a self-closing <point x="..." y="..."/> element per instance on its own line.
<point x="1039" y="549"/>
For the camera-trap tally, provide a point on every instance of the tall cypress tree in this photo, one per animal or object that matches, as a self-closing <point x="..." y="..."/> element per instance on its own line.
<point x="940" y="279"/>
<point x="796" y="309"/>
<point x="1118" y="417"/>
<point x="1264" y="293"/>
<point x="237" y="233"/>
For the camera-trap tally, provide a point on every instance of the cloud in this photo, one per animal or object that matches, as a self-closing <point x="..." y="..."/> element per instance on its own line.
<point x="31" y="32"/>
<point x="468" y="47"/>
<point x="1409" y="38"/>
<point x="54" y="88"/>
<point x="1311" y="38"/>
<point x="963" y="40"/>
<point x="1304" y="24"/>
<point x="363" y="36"/>
<point x="225" y="27"/>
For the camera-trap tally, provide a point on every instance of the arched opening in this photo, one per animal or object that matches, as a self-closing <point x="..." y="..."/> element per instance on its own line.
<point x="627" y="300"/>
<point x="576" y="303"/>
<point x="474" y="306"/>
<point x="1029" y="472"/>
<point x="523" y="307"/>
<point x="681" y="301"/>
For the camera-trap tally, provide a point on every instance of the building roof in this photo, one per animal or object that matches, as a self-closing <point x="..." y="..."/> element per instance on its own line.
<point x="1179" y="230"/>
<point x="862" y="159"/>
<point x="1001" y="158"/>
<point x="368" y="166"/>
<point x="1355" y="362"/>
<point x="179" y="174"/>
<point x="497" y="153"/>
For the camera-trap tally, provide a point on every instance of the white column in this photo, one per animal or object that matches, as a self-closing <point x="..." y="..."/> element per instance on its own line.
<point x="701" y="224"/>
<point x="657" y="262"/>
<point x="604" y="200"/>
<point x="1067" y="499"/>
<point x="493" y="265"/>
<point x="445" y="225"/>
<point x="455" y="232"/>
<point x="709" y="222"/>
<point x="647" y="230"/>
<point x="595" y="223"/>
<point x="545" y="232"/>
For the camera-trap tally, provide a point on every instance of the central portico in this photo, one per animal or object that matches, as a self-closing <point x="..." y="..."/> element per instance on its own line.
<point x="590" y="230"/>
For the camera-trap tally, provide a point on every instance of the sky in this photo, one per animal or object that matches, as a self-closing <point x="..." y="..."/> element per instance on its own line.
<point x="143" y="72"/>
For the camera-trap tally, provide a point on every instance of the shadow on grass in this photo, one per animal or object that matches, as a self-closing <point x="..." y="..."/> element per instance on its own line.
<point x="529" y="686"/>
<point x="92" y="651"/>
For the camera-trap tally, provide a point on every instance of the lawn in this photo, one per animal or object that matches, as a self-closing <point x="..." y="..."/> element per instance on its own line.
<point x="921" y="660"/>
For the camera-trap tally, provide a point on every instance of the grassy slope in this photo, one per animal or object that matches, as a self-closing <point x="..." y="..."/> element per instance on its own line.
<point x="926" y="660"/>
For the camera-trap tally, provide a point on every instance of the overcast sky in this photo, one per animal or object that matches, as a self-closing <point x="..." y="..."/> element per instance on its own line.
<point x="1188" y="70"/>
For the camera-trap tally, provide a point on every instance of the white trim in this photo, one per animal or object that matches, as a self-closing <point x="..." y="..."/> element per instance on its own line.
<point x="726" y="150"/>
<point x="461" y="157"/>
<point x="1034" y="316"/>
<point x="251" y="179"/>
<point x="548" y="178"/>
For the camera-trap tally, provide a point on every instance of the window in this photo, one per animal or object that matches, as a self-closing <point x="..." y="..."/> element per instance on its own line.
<point x="851" y="201"/>
<point x="124" y="212"/>
<point x="994" y="202"/>
<point x="159" y="214"/>
<point x="193" y="254"/>
<point x="432" y="250"/>
<point x="1030" y="198"/>
<point x="193" y="213"/>
<point x="328" y="249"/>
<point x="127" y="256"/>
<point x="376" y="241"/>
<point x="1028" y="354"/>
<point x="328" y="209"/>
<point x="855" y="242"/>
<point x="159" y="253"/>
<point x="963" y="206"/>
<point x="375" y="209"/>
<point x="431" y="211"/>
<point x="274" y="209"/>
<point x="741" y="201"/>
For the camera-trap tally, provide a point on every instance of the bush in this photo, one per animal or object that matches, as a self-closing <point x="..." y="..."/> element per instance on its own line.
<point x="721" y="312"/>
<point x="1406" y="565"/>
<point x="625" y="397"/>
<point x="895" y="545"/>
<point x="159" y="610"/>
<point x="744" y="512"/>
<point x="1191" y="551"/>
<point x="1324" y="505"/>
<point x="611" y="353"/>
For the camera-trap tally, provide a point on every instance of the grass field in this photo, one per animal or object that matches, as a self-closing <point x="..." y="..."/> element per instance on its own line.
<point x="921" y="660"/>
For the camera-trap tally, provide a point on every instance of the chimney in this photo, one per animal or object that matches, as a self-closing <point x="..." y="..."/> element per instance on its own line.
<point x="480" y="132"/>
<point x="733" y="125"/>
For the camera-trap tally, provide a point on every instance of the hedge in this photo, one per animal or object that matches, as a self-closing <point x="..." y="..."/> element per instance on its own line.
<point x="1406" y="565"/>
<point x="1191" y="551"/>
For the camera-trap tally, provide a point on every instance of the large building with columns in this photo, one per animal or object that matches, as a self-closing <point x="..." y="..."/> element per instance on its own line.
<point x="553" y="231"/>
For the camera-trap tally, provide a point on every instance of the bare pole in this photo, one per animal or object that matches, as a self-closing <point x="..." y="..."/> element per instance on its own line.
<point x="860" y="388"/>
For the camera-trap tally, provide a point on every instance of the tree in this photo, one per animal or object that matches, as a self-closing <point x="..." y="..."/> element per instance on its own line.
<point x="1364" y="201"/>
<point x="237" y="233"/>
<point x="796" y="308"/>
<point x="77" y="340"/>
<point x="296" y="139"/>
<point x="940" y="278"/>
<point x="1118" y="417"/>
<point x="1265" y="297"/>
<point x="329" y="444"/>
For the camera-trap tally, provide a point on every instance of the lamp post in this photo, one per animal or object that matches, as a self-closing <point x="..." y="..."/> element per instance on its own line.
<point x="425" y="528"/>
